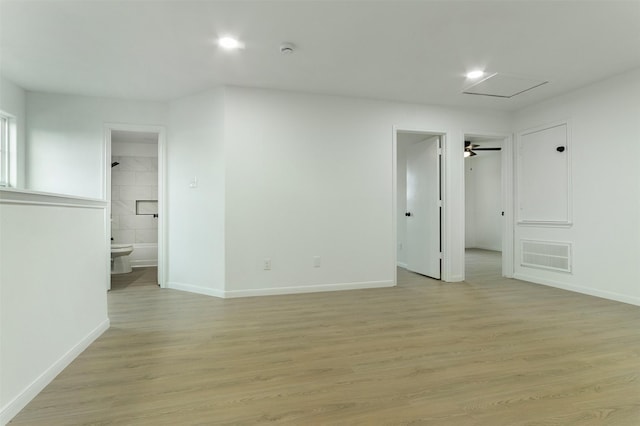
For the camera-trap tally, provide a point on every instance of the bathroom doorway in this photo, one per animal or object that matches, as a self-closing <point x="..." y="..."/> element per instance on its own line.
<point x="134" y="188"/>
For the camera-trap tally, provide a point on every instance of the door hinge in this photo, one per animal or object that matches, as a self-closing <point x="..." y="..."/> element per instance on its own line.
<point x="439" y="203"/>
<point x="440" y="255"/>
<point x="439" y="151"/>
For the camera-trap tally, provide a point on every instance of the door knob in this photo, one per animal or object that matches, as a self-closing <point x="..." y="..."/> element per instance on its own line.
<point x="407" y="214"/>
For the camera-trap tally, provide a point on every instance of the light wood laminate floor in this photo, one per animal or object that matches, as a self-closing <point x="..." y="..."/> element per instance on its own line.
<point x="489" y="351"/>
<point x="138" y="277"/>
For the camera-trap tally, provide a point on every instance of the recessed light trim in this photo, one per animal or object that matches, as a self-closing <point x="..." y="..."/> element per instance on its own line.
<point x="475" y="74"/>
<point x="230" y="43"/>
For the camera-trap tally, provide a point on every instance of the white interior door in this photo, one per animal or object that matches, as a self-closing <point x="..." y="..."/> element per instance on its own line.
<point x="423" y="207"/>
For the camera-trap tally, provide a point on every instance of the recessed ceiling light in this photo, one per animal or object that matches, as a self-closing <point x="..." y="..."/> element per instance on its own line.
<point x="475" y="74"/>
<point x="229" y="43"/>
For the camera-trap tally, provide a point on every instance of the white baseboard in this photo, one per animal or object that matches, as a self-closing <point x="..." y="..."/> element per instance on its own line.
<point x="494" y="249"/>
<point x="454" y="279"/>
<point x="306" y="289"/>
<point x="196" y="289"/>
<point x="579" y="289"/>
<point x="231" y="294"/>
<point x="13" y="407"/>
<point x="402" y="265"/>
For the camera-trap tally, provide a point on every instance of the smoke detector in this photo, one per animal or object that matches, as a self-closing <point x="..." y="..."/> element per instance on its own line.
<point x="287" y="48"/>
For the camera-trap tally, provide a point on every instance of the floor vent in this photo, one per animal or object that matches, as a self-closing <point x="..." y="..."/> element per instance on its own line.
<point x="546" y="255"/>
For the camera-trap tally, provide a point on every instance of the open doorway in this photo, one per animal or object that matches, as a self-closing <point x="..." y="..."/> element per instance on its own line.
<point x="485" y="206"/>
<point x="134" y="188"/>
<point x="419" y="202"/>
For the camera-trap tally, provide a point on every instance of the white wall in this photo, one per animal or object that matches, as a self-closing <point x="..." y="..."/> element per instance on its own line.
<point x="483" y="194"/>
<point x="310" y="175"/>
<point x="50" y="308"/>
<point x="605" y="130"/>
<point x="65" y="139"/>
<point x="13" y="102"/>
<point x="197" y="215"/>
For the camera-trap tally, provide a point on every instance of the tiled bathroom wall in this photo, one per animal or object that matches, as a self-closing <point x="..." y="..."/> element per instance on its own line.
<point x="135" y="178"/>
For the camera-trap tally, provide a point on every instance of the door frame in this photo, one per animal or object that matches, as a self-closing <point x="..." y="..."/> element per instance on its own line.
<point x="507" y="196"/>
<point x="445" y="270"/>
<point x="162" y="188"/>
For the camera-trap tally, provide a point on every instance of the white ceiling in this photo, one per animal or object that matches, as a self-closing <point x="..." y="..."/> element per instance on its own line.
<point x="416" y="51"/>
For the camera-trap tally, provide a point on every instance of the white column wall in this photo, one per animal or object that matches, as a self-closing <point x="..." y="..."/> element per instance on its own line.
<point x="604" y="122"/>
<point x="311" y="175"/>
<point x="196" y="241"/>
<point x="52" y="306"/>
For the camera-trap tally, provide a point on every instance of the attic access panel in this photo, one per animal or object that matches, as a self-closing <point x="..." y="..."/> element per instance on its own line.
<point x="503" y="86"/>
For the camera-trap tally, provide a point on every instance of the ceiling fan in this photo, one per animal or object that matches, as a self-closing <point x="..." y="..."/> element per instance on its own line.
<point x="469" y="149"/>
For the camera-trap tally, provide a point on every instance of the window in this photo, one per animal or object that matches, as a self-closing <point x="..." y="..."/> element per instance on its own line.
<point x="4" y="150"/>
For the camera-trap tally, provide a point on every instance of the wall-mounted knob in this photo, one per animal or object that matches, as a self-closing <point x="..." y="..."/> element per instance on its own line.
<point x="560" y="149"/>
<point x="407" y="214"/>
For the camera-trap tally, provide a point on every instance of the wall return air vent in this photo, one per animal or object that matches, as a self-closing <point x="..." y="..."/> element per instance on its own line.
<point x="503" y="85"/>
<point x="546" y="255"/>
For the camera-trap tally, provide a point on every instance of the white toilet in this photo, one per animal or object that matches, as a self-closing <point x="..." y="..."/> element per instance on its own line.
<point x="120" y="258"/>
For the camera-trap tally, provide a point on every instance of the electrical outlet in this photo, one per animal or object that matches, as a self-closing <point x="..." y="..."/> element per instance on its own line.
<point x="266" y="265"/>
<point x="316" y="261"/>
